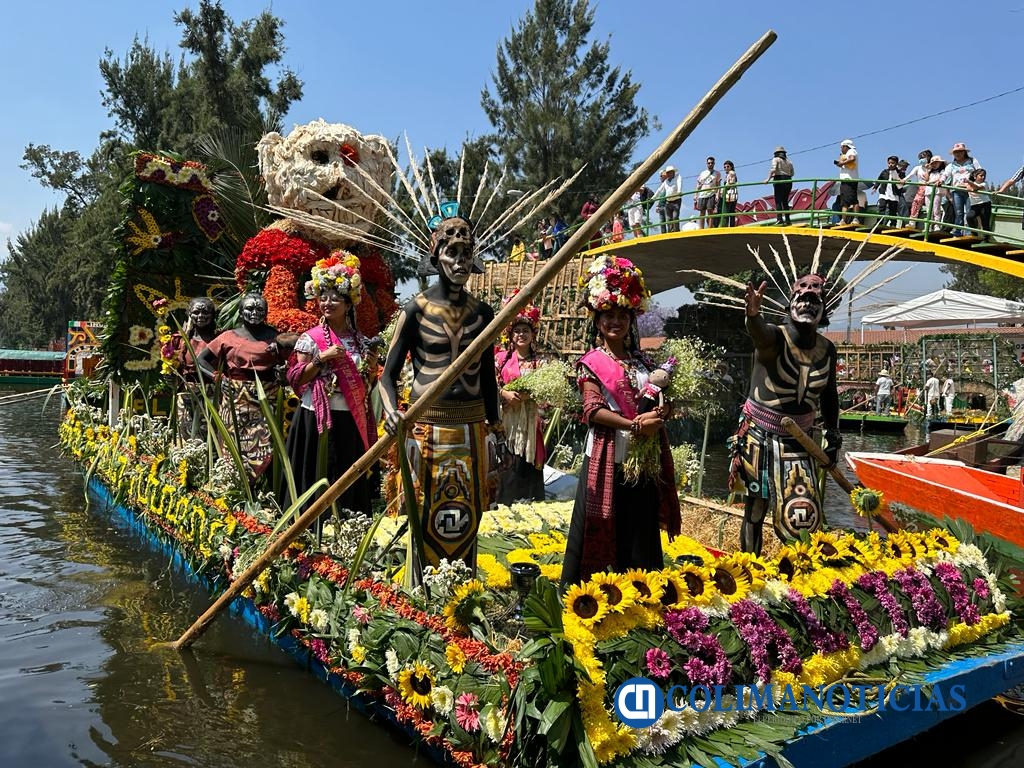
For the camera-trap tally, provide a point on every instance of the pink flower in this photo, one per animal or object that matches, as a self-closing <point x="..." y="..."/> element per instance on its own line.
<point x="658" y="663"/>
<point x="981" y="587"/>
<point x="362" y="615"/>
<point x="159" y="303"/>
<point x="466" y="714"/>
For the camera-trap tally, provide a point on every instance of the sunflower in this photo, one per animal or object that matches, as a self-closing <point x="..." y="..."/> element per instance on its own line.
<point x="459" y="610"/>
<point x="730" y="579"/>
<point x="675" y="593"/>
<point x="586" y="603"/>
<point x="455" y="657"/>
<point x="796" y="557"/>
<point x="831" y="548"/>
<point x="939" y="540"/>
<point x="649" y="585"/>
<point x="618" y="590"/>
<point x="903" y="547"/>
<point x="696" y="580"/>
<point x="415" y="684"/>
<point x="757" y="569"/>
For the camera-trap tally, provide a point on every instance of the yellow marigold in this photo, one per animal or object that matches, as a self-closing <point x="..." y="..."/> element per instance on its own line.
<point x="682" y="546"/>
<point x="358" y="654"/>
<point x="496" y="574"/>
<point x="455" y="657"/>
<point x="521" y="555"/>
<point x="586" y="604"/>
<point x="960" y="633"/>
<point x="552" y="571"/>
<point x="415" y="683"/>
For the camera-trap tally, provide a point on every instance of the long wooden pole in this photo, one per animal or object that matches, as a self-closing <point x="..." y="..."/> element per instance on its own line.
<point x="577" y="242"/>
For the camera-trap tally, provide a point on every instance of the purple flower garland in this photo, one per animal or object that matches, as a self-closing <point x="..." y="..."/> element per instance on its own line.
<point x="875" y="583"/>
<point x="953" y="581"/>
<point x="824" y="639"/>
<point x="927" y="608"/>
<point x="865" y="629"/>
<point x="760" y="632"/>
<point x="708" y="664"/>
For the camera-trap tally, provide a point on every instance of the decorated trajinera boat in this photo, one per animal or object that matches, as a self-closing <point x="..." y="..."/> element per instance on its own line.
<point x="714" y="657"/>
<point x="989" y="501"/>
<point x="464" y="677"/>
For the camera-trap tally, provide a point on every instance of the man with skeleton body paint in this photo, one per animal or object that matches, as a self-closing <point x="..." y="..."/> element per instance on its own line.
<point x="794" y="375"/>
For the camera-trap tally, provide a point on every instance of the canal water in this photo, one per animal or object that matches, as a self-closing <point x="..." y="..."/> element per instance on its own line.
<point x="80" y="602"/>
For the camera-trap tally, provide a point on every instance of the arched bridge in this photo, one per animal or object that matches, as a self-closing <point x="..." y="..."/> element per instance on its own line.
<point x="723" y="249"/>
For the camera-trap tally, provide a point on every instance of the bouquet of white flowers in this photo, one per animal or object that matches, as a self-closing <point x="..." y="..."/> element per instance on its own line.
<point x="551" y="385"/>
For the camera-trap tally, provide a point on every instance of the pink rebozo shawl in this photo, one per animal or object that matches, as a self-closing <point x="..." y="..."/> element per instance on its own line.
<point x="350" y="385"/>
<point x="599" y="538"/>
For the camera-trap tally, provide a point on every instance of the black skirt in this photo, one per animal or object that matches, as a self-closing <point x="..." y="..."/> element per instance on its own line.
<point x="637" y="527"/>
<point x="521" y="482"/>
<point x="344" y="448"/>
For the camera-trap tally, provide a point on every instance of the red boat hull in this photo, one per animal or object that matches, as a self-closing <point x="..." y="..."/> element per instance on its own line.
<point x="942" y="488"/>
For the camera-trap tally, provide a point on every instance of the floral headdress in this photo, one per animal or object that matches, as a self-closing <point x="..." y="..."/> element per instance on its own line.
<point x="529" y="314"/>
<point x="338" y="272"/>
<point x="612" y="281"/>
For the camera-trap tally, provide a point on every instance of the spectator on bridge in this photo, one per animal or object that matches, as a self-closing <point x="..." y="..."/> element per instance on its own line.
<point x="935" y="189"/>
<point x="658" y="197"/>
<point x="849" y="172"/>
<point x="1015" y="179"/>
<point x="673" y="192"/>
<point x="903" y="204"/>
<point x="558" y="230"/>
<point x="886" y="186"/>
<point x="780" y="175"/>
<point x="589" y="208"/>
<point x="518" y="252"/>
<point x="618" y="227"/>
<point x="980" y="214"/>
<point x="635" y="212"/>
<point x="730" y="194"/>
<point x="705" y="202"/>
<point x="916" y="180"/>
<point x="959" y="168"/>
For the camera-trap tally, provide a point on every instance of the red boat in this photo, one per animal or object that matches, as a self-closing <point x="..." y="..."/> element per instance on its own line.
<point x="990" y="502"/>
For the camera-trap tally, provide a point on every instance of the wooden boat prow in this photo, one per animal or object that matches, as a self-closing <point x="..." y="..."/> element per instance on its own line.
<point x="990" y="502"/>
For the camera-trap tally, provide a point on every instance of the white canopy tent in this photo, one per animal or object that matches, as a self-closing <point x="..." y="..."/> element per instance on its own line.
<point x="945" y="308"/>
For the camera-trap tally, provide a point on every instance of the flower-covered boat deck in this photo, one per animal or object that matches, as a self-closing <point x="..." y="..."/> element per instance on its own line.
<point x="463" y="677"/>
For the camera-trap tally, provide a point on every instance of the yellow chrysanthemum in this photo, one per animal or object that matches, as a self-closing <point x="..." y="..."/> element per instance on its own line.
<point x="358" y="654"/>
<point x="586" y="604"/>
<point x="618" y="590"/>
<point x="684" y="546"/>
<point x="551" y="571"/>
<point x="455" y="657"/>
<point x="730" y="580"/>
<point x="415" y="683"/>
<point x="496" y="574"/>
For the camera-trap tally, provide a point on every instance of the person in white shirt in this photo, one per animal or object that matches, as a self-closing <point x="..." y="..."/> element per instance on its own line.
<point x="883" y="392"/>
<point x="931" y="395"/>
<point x="849" y="171"/>
<point x="708" y="189"/>
<point x="672" y="189"/>
<point x="959" y="169"/>
<point x="948" y="393"/>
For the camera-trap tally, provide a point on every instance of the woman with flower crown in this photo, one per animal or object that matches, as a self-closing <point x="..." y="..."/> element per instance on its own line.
<point x="519" y="412"/>
<point x="334" y="369"/>
<point x="615" y="523"/>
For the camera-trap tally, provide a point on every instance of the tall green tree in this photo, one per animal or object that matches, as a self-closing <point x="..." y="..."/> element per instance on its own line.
<point x="973" y="279"/>
<point x="557" y="103"/>
<point x="221" y="86"/>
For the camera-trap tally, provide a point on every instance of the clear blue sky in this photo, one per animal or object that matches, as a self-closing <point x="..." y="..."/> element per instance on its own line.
<point x="838" y="70"/>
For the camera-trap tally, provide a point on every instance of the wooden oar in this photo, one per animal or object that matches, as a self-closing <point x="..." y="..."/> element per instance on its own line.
<point x="819" y="455"/>
<point x="576" y="243"/>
